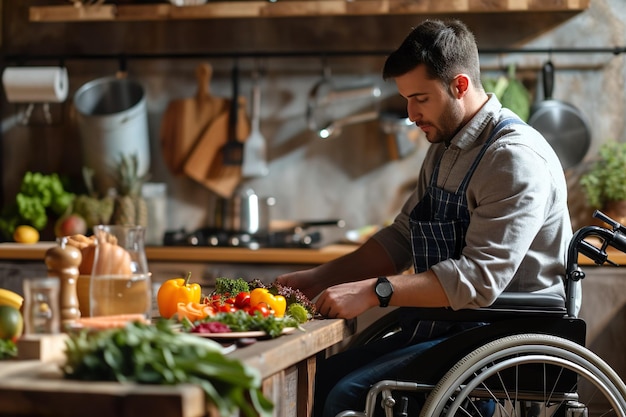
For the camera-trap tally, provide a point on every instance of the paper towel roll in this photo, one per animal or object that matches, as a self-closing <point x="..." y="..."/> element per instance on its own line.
<point x="35" y="84"/>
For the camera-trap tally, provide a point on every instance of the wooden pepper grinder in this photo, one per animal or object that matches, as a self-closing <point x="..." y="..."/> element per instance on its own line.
<point x="63" y="261"/>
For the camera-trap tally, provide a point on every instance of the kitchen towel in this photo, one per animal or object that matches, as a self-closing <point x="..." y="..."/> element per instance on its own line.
<point x="35" y="84"/>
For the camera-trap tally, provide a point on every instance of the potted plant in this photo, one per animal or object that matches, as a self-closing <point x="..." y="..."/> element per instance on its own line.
<point x="604" y="184"/>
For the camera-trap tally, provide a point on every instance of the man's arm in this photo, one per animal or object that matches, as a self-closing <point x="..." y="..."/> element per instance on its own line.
<point x="369" y="260"/>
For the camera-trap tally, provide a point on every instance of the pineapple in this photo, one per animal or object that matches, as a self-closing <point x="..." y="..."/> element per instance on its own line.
<point x="91" y="208"/>
<point x="129" y="207"/>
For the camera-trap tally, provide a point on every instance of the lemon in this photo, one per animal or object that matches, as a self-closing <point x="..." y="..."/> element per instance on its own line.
<point x="26" y="234"/>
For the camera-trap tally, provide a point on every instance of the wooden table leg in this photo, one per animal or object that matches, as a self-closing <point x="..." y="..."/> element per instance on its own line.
<point x="306" y="386"/>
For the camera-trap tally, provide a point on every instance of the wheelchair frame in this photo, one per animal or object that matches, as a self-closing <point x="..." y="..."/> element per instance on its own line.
<point x="529" y="359"/>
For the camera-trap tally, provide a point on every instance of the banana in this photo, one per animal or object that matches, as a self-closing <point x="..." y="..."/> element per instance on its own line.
<point x="10" y="298"/>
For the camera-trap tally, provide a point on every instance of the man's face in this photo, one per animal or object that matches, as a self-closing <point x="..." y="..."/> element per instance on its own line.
<point x="430" y="105"/>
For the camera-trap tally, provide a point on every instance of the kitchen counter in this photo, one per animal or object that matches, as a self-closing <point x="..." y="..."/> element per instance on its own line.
<point x="36" y="252"/>
<point x="286" y="364"/>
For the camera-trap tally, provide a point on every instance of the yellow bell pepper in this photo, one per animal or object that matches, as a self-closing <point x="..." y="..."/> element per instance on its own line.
<point x="174" y="291"/>
<point x="277" y="303"/>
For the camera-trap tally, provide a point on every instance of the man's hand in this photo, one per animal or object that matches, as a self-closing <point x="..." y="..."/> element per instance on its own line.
<point x="347" y="300"/>
<point x="304" y="281"/>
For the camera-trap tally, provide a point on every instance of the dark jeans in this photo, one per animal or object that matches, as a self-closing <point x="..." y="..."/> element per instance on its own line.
<point x="343" y="380"/>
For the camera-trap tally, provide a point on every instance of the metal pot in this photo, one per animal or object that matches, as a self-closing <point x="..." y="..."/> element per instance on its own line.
<point x="563" y="125"/>
<point x="112" y="121"/>
<point x="247" y="213"/>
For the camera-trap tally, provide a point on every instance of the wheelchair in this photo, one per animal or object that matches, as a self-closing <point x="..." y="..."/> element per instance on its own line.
<point x="528" y="359"/>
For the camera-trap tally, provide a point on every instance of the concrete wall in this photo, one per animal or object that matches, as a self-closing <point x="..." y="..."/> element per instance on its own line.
<point x="350" y="176"/>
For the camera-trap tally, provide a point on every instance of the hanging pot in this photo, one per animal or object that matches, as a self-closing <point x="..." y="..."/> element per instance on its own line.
<point x="563" y="126"/>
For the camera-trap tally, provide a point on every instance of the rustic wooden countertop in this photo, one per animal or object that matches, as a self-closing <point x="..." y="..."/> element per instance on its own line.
<point x="36" y="388"/>
<point x="36" y="252"/>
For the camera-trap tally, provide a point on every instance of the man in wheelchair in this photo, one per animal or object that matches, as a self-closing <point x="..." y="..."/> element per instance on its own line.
<point x="489" y="215"/>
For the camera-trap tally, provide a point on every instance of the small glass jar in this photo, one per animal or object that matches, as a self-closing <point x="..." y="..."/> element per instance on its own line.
<point x="41" y="305"/>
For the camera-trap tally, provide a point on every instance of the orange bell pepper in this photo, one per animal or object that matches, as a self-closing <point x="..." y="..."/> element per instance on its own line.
<point x="277" y="303"/>
<point x="194" y="311"/>
<point x="175" y="291"/>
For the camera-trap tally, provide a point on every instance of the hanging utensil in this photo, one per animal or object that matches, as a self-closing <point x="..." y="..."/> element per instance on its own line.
<point x="232" y="151"/>
<point x="335" y="127"/>
<point x="254" y="151"/>
<point x="562" y="124"/>
<point x="327" y="101"/>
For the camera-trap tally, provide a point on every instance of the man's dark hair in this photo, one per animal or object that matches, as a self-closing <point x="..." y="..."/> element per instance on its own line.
<point x="445" y="48"/>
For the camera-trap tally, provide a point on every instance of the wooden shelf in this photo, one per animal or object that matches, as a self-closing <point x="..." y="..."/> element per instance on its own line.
<point x="294" y="8"/>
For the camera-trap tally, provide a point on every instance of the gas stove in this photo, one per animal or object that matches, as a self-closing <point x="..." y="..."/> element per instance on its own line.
<point x="210" y="237"/>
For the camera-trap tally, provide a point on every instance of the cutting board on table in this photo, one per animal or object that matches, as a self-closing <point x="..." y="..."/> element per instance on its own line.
<point x="204" y="163"/>
<point x="186" y="119"/>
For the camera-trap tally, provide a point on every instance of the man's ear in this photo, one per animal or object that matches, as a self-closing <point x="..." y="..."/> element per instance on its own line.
<point x="460" y="85"/>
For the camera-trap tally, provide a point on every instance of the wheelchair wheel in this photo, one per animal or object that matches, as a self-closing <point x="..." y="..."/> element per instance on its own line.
<point x="529" y="375"/>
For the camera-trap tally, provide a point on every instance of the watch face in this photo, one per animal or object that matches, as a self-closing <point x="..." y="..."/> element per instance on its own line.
<point x="383" y="289"/>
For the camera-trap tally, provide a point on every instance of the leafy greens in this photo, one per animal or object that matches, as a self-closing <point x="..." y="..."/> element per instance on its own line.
<point x="155" y="354"/>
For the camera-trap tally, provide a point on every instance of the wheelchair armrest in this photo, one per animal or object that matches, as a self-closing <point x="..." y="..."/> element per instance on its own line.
<point x="528" y="302"/>
<point x="510" y="305"/>
<point x="507" y="305"/>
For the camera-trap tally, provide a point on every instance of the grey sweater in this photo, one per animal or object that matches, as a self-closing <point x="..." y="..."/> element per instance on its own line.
<point x="519" y="220"/>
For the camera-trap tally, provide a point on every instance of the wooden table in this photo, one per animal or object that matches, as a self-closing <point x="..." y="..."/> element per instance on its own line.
<point x="287" y="366"/>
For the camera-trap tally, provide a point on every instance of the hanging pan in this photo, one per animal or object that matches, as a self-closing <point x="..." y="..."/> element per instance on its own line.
<point x="563" y="126"/>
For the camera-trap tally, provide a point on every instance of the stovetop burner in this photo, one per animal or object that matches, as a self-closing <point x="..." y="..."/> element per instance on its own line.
<point x="220" y="238"/>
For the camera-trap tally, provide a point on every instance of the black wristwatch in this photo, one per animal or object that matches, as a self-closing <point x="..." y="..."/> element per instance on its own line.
<point x="384" y="291"/>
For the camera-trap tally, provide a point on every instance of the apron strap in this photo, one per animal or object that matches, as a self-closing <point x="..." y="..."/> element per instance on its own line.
<point x="502" y="124"/>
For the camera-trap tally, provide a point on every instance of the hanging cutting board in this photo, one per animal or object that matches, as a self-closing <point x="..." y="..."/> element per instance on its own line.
<point x="185" y="119"/>
<point x="204" y="163"/>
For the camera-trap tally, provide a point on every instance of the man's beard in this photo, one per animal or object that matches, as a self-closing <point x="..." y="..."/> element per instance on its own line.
<point x="448" y="123"/>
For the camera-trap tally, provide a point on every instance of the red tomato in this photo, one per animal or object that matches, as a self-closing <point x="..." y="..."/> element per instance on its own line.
<point x="242" y="300"/>
<point x="227" y="308"/>
<point x="230" y="300"/>
<point x="261" y="308"/>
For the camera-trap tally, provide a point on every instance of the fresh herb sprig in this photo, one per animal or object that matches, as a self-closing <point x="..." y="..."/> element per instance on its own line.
<point x="230" y="286"/>
<point x="155" y="354"/>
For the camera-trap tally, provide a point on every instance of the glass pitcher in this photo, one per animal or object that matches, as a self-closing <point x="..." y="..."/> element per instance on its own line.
<point x="120" y="280"/>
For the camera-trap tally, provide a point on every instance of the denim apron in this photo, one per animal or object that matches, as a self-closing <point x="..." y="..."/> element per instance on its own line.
<point x="438" y="226"/>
